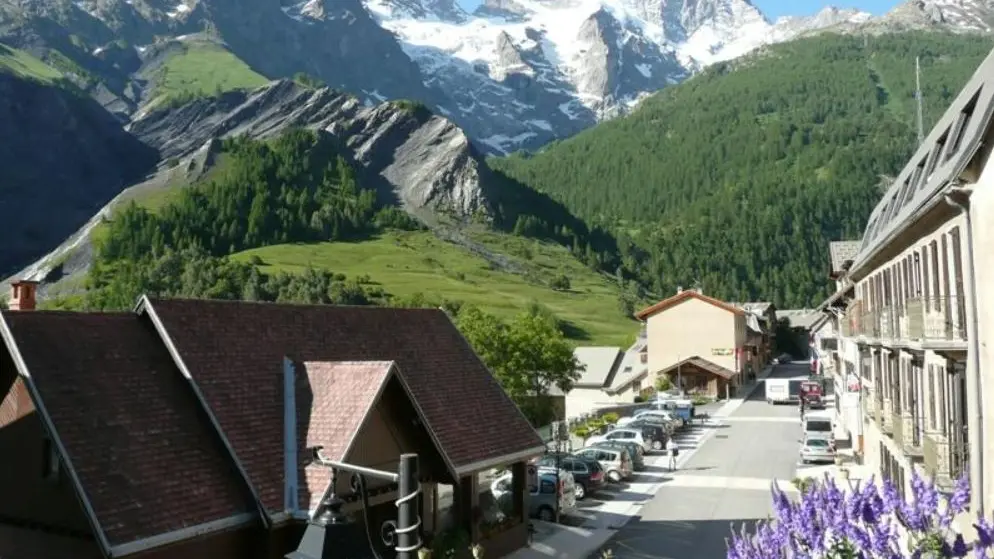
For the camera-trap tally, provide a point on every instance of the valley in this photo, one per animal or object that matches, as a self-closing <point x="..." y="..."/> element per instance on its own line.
<point x="353" y="230"/>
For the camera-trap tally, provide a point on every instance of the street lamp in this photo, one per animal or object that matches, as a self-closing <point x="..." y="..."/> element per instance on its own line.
<point x="331" y="534"/>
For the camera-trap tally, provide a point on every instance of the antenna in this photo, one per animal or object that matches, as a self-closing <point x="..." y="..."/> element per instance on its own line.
<point x="918" y="98"/>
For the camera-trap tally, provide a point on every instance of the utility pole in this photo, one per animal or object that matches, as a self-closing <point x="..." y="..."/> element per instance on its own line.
<point x="918" y="98"/>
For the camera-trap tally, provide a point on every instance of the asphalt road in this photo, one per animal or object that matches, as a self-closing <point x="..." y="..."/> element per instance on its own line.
<point x="725" y="483"/>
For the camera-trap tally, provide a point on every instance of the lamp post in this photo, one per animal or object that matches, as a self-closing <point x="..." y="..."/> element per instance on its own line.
<point x="331" y="534"/>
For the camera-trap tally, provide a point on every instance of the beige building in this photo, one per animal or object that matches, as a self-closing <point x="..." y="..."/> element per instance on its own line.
<point x="692" y="325"/>
<point x="914" y="310"/>
<point x="611" y="377"/>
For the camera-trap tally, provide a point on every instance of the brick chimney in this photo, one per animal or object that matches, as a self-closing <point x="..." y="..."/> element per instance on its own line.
<point x="22" y="295"/>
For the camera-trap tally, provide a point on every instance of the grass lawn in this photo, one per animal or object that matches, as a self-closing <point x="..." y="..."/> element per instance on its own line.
<point x="23" y="64"/>
<point x="406" y="263"/>
<point x="204" y="69"/>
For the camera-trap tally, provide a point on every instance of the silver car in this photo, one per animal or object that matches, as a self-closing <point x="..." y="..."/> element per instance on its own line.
<point x="817" y="449"/>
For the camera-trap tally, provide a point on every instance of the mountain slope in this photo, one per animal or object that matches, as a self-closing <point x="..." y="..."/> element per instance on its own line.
<point x="518" y="73"/>
<point x="514" y="74"/>
<point x="286" y="218"/>
<point x="737" y="178"/>
<point x="62" y="158"/>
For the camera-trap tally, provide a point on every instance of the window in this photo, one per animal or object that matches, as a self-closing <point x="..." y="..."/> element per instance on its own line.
<point x="943" y="418"/>
<point x="957" y="300"/>
<point x="917" y="275"/>
<point x="50" y="460"/>
<point x="932" y="407"/>
<point x="933" y="158"/>
<point x="934" y="266"/>
<point x="945" y="277"/>
<point x="962" y="121"/>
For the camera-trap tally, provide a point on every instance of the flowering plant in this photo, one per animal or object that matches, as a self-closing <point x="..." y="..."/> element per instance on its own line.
<point x="865" y="522"/>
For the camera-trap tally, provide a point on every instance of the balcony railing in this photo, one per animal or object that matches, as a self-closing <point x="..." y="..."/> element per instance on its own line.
<point x="913" y="321"/>
<point x="897" y="429"/>
<point x="921" y="318"/>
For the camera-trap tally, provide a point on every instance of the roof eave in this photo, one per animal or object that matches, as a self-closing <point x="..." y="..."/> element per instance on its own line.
<point x="22" y="369"/>
<point x="145" y="307"/>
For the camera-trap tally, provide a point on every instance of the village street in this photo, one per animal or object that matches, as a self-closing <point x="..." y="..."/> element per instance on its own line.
<point x="724" y="482"/>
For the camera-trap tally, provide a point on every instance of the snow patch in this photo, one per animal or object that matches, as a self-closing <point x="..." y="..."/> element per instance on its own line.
<point x="179" y="10"/>
<point x="644" y="69"/>
<point x="506" y="144"/>
<point x="543" y="124"/>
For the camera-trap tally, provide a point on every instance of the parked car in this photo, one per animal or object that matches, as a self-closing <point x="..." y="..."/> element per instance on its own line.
<point x="543" y="498"/>
<point x="656" y="434"/>
<point x="634" y="450"/>
<point x="623" y="434"/>
<point x="680" y="408"/>
<point x="662" y="418"/>
<point x="588" y="475"/>
<point x="616" y="462"/>
<point x="819" y="424"/>
<point x="817" y="448"/>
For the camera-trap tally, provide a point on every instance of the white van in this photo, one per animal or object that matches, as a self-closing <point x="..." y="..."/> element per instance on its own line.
<point x="819" y="424"/>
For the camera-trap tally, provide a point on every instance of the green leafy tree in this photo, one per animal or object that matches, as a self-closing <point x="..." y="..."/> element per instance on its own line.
<point x="529" y="356"/>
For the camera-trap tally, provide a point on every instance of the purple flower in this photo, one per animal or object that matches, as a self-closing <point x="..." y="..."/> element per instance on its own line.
<point x="830" y="522"/>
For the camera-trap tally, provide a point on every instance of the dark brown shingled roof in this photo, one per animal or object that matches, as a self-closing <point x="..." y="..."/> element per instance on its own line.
<point x="235" y="350"/>
<point x="147" y="459"/>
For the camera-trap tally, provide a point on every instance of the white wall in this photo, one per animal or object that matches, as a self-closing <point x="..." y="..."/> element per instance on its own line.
<point x="982" y="217"/>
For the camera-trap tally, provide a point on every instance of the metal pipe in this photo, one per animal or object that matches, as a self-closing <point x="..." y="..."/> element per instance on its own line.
<point x="392" y="477"/>
<point x="408" y="529"/>
<point x="976" y="433"/>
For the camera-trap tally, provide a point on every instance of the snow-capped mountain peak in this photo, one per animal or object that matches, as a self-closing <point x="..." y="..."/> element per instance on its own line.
<point x="439" y="10"/>
<point x="518" y="73"/>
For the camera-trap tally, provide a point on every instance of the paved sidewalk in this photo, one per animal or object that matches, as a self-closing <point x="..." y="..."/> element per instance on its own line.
<point x="562" y="542"/>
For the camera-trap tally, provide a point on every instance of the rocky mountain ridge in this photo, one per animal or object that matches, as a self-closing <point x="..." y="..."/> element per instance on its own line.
<point x="417" y="160"/>
<point x="514" y="74"/>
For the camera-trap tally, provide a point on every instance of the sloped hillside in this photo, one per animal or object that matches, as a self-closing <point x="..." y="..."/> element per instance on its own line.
<point x="738" y="178"/>
<point x="62" y="157"/>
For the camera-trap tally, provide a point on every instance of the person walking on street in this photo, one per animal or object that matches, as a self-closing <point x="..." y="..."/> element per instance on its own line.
<point x="673" y="450"/>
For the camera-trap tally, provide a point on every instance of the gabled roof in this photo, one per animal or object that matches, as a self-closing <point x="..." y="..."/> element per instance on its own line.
<point x="126" y="425"/>
<point x="702" y="364"/>
<point x="799" y="318"/>
<point x="629" y="370"/>
<point x="331" y="401"/>
<point x="756" y="307"/>
<point x="234" y="353"/>
<point x="683" y="296"/>
<point x="598" y="363"/>
<point x="841" y="253"/>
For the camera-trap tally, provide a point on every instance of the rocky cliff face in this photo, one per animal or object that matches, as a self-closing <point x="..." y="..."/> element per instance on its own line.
<point x="514" y="74"/>
<point x="62" y="157"/>
<point x="417" y="159"/>
<point x="519" y="73"/>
